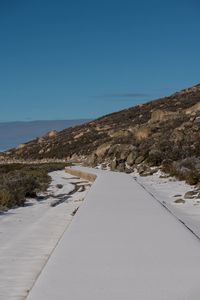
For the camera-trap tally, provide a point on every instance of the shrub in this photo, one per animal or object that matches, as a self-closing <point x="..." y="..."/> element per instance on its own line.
<point x="155" y="157"/>
<point x="5" y="198"/>
<point x="187" y="169"/>
<point x="18" y="181"/>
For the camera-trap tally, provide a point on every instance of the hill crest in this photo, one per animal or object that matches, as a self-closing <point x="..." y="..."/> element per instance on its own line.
<point x="147" y="134"/>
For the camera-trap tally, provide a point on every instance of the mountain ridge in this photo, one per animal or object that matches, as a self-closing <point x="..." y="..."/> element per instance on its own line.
<point x="16" y="132"/>
<point x="149" y="134"/>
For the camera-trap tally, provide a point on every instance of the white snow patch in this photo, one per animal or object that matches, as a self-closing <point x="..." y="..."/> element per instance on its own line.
<point x="168" y="189"/>
<point x="29" y="234"/>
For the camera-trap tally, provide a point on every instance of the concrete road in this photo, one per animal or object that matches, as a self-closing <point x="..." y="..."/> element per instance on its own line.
<point x="121" y="245"/>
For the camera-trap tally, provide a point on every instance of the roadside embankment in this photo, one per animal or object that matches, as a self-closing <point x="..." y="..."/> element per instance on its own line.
<point x="85" y="175"/>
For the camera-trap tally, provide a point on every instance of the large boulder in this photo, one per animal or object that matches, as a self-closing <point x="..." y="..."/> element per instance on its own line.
<point x="21" y="146"/>
<point x="159" y="115"/>
<point x="92" y="160"/>
<point x="102" y="150"/>
<point x="120" y="151"/>
<point x="119" y="133"/>
<point x="139" y="160"/>
<point x="132" y="157"/>
<point x="52" y="134"/>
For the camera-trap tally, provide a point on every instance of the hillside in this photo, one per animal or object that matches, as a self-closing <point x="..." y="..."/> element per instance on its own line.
<point x="162" y="132"/>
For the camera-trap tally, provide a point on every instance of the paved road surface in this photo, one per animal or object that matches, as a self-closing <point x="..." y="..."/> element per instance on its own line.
<point x="122" y="245"/>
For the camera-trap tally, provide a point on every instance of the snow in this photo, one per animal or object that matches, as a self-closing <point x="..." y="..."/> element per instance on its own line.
<point x="60" y="178"/>
<point x="122" y="244"/>
<point x="166" y="190"/>
<point x="29" y="234"/>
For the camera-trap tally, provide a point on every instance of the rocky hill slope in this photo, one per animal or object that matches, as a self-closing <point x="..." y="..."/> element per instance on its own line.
<point x="162" y="132"/>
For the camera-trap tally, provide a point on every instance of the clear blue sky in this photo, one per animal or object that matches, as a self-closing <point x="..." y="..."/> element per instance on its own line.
<point x="81" y="59"/>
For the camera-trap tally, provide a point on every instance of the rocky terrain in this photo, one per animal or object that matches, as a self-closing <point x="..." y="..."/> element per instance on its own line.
<point x="164" y="132"/>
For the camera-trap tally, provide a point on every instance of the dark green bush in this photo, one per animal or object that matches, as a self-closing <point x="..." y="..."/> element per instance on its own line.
<point x="18" y="181"/>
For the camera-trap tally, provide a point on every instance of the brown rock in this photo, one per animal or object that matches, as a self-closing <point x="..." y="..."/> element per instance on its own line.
<point x="131" y="158"/>
<point x="41" y="140"/>
<point x="193" y="108"/>
<point x="102" y="150"/>
<point x="77" y="136"/>
<point x="92" y="159"/>
<point x="52" y="134"/>
<point x="190" y="194"/>
<point x="139" y="160"/>
<point x="21" y="146"/>
<point x="159" y="115"/>
<point x="145" y="170"/>
<point x="179" y="201"/>
<point x="121" y="167"/>
<point x="113" y="165"/>
<point x="120" y="134"/>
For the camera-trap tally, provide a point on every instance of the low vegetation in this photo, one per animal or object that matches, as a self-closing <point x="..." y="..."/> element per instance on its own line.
<point x="187" y="169"/>
<point x="19" y="181"/>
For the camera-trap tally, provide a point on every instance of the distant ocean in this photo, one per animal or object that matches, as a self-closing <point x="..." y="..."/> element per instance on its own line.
<point x="15" y="133"/>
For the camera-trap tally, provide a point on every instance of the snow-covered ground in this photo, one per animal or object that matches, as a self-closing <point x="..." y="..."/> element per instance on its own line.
<point x="122" y="245"/>
<point x="168" y="190"/>
<point x="29" y="234"/>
